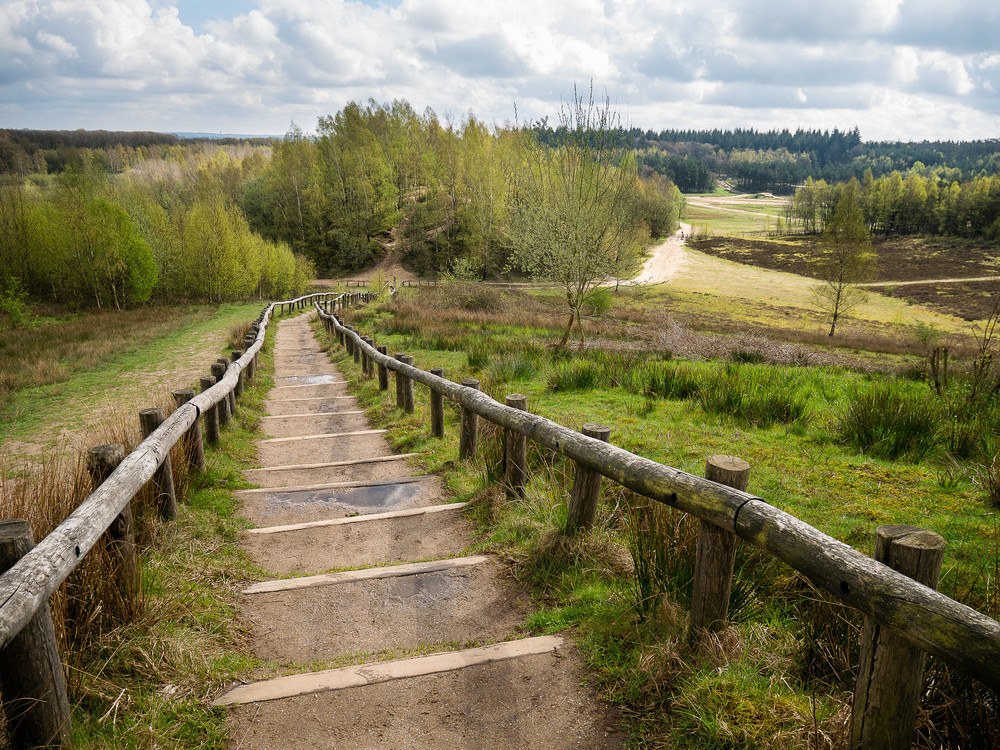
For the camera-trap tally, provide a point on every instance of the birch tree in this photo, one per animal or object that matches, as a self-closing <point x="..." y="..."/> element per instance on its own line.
<point x="573" y="216"/>
<point x="846" y="259"/>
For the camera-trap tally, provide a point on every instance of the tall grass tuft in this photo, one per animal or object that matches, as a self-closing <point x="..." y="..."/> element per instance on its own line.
<point x="662" y="544"/>
<point x="760" y="396"/>
<point x="676" y="381"/>
<point x="582" y="375"/>
<point x="891" y="420"/>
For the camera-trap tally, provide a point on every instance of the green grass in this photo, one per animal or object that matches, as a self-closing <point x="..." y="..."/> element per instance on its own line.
<point x="777" y="677"/>
<point x="144" y="679"/>
<point x="62" y="373"/>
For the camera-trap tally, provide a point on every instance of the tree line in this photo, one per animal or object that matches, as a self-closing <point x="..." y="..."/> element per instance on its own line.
<point x="447" y="196"/>
<point x="165" y="229"/>
<point x="118" y="224"/>
<point x="779" y="161"/>
<point x="923" y="201"/>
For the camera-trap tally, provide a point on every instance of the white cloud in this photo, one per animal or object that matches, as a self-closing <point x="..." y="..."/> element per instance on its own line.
<point x="127" y="63"/>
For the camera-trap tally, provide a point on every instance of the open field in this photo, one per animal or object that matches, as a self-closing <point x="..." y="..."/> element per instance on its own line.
<point x="733" y="214"/>
<point x="66" y="377"/>
<point x="899" y="260"/>
<point x="803" y="465"/>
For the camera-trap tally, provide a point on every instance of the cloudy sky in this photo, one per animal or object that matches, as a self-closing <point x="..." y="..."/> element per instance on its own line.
<point x="898" y="69"/>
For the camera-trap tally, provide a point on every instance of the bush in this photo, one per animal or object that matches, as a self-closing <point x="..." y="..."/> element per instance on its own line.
<point x="890" y="420"/>
<point x="599" y="303"/>
<point x="14" y="306"/>
<point x="757" y="396"/>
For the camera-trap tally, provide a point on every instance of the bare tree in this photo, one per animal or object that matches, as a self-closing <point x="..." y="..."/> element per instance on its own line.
<point x="846" y="259"/>
<point x="574" y="218"/>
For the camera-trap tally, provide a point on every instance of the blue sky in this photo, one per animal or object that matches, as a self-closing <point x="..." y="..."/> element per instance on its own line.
<point x="897" y="69"/>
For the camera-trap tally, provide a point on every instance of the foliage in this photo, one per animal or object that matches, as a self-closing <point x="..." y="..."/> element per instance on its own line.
<point x="847" y="261"/>
<point x="153" y="233"/>
<point x="13" y="305"/>
<point x="574" y="219"/>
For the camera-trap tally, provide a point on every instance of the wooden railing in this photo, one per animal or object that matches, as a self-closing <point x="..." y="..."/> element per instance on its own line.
<point x="32" y="685"/>
<point x="922" y="617"/>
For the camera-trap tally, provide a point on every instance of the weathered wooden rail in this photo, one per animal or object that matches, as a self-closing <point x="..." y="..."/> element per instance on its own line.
<point x="917" y="613"/>
<point x="31" y="680"/>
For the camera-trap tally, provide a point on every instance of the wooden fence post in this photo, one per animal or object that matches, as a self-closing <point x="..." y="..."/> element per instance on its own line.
<point x="32" y="683"/>
<point x="231" y="396"/>
<point x="383" y="371"/>
<point x="468" y="438"/>
<point x="891" y="670"/>
<point x="163" y="479"/>
<point x="355" y="348"/>
<point x="586" y="487"/>
<point x="404" y="386"/>
<point x="252" y="364"/>
<point x="713" y="568"/>
<point x="238" y="390"/>
<point x="192" y="439"/>
<point x="437" y="407"/>
<point x="120" y="536"/>
<point x="219" y="372"/>
<point x="515" y="457"/>
<point x="212" y="432"/>
<point x="366" y="360"/>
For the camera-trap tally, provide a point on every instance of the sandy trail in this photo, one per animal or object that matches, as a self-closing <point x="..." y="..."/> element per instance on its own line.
<point x="667" y="259"/>
<point x="360" y="516"/>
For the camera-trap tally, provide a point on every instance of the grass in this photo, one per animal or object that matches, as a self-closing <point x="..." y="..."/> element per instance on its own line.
<point x="55" y="376"/>
<point x="779" y="674"/>
<point x="141" y="672"/>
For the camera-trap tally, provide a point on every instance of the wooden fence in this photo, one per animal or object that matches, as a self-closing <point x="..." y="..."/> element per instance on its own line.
<point x="905" y="617"/>
<point x="32" y="684"/>
<point x="31" y="680"/>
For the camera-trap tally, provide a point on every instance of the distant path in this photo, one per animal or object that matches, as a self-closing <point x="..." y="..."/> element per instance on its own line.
<point x="929" y="281"/>
<point x="667" y="259"/>
<point x="716" y="207"/>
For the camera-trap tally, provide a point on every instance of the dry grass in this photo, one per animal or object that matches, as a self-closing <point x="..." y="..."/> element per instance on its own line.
<point x="45" y="491"/>
<point x="50" y="353"/>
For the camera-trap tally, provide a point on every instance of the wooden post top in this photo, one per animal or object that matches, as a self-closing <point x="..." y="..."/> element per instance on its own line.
<point x="911" y="536"/>
<point x="599" y="431"/>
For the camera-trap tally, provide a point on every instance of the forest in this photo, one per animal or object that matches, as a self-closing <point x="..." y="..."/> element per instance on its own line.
<point x="125" y="220"/>
<point x="921" y="202"/>
<point x="780" y="161"/>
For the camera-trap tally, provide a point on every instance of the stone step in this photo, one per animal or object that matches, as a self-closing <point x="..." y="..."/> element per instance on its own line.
<point x="316" y="550"/>
<point x="322" y="449"/>
<point x="330" y="472"/>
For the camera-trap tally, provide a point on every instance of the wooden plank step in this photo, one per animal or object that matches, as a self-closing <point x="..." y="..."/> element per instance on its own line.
<point x="358" y="519"/>
<point x="373" y="673"/>
<point x="307" y="398"/>
<point x="334" y="485"/>
<point x="365" y="574"/>
<point x="324" y="435"/>
<point x="355" y="462"/>
<point x="315" y="413"/>
<point x="307" y="385"/>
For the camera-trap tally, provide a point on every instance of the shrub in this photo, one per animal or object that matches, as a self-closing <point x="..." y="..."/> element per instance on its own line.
<point x="757" y="396"/>
<point x="599" y="303"/>
<point x="890" y="420"/>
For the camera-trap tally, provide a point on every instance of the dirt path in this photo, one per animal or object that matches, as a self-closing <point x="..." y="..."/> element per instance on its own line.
<point x="334" y="496"/>
<point x="930" y="281"/>
<point x="667" y="259"/>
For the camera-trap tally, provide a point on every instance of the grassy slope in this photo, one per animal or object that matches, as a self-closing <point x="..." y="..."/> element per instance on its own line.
<point x="72" y="373"/>
<point x="801" y="469"/>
